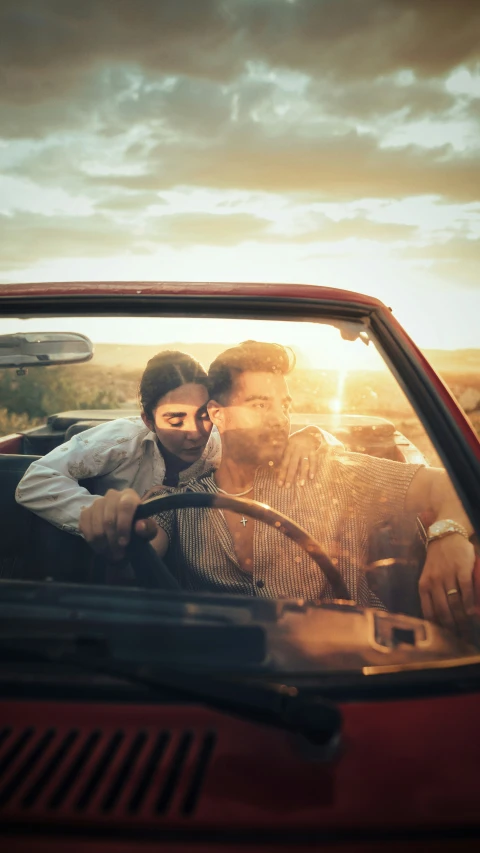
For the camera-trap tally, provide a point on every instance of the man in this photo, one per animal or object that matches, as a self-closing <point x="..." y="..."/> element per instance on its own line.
<point x="349" y="495"/>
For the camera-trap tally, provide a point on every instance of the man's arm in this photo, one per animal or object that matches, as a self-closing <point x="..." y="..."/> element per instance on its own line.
<point x="107" y="525"/>
<point x="446" y="584"/>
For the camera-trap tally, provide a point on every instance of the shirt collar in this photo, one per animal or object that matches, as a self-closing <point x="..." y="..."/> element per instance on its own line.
<point x="149" y="436"/>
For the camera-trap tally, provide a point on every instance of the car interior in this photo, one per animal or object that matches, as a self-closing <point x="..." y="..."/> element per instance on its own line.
<point x="33" y="549"/>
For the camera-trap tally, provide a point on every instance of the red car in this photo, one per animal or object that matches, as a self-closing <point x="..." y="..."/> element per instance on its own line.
<point x="136" y="716"/>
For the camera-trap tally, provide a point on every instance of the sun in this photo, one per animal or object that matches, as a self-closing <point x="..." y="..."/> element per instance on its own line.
<point x="335" y="405"/>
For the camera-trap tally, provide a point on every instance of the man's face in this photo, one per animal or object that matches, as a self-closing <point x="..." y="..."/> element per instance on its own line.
<point x="255" y="421"/>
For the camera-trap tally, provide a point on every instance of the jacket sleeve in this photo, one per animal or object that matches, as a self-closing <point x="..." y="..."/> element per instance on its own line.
<point x="50" y="486"/>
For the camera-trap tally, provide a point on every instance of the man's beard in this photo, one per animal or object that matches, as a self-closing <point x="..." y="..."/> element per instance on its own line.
<point x="251" y="447"/>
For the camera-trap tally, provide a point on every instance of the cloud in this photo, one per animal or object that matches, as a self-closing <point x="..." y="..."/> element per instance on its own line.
<point x="341" y="168"/>
<point x="455" y="260"/>
<point x="380" y="98"/>
<point x="184" y="229"/>
<point x="27" y="238"/>
<point x="130" y="202"/>
<point x="191" y="106"/>
<point x="48" y="46"/>
<point x="306" y="101"/>
<point x="111" y="100"/>
<point x="189" y="140"/>
<point x="456" y="248"/>
<point x="206" y="229"/>
<point x="351" y="40"/>
<point x="462" y="272"/>
<point x="356" y="228"/>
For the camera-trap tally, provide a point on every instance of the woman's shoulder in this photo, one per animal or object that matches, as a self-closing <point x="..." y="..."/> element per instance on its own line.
<point x="117" y="431"/>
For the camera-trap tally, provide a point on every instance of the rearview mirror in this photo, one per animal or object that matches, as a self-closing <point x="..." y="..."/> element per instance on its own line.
<point x="43" y="348"/>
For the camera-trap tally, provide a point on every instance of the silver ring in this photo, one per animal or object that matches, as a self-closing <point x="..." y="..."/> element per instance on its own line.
<point x="452" y="591"/>
<point x="305" y="458"/>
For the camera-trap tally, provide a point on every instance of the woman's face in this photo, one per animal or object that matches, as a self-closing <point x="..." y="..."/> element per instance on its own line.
<point x="181" y="421"/>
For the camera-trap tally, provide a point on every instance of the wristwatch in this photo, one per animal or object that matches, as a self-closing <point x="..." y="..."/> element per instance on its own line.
<point x="445" y="527"/>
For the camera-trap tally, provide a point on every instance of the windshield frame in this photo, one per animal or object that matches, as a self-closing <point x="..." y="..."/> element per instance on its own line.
<point x="447" y="427"/>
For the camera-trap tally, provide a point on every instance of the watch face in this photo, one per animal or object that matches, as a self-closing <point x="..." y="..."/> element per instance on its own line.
<point x="444" y="527"/>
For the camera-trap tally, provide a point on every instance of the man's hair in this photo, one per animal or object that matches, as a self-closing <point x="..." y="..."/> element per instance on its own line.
<point x="248" y="356"/>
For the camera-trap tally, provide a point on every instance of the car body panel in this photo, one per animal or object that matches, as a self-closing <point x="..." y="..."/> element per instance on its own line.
<point x="388" y="774"/>
<point x="407" y="775"/>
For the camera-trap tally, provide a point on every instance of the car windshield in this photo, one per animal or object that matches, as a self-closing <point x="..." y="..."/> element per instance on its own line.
<point x="302" y="420"/>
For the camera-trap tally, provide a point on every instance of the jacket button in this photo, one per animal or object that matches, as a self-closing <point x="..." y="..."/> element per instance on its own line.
<point x="260" y="584"/>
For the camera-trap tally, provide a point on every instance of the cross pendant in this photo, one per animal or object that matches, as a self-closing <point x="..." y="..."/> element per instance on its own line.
<point x="243" y="520"/>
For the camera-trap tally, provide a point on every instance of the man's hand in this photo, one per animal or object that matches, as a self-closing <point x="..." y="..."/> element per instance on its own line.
<point x="107" y="524"/>
<point x="446" y="583"/>
<point x="301" y="456"/>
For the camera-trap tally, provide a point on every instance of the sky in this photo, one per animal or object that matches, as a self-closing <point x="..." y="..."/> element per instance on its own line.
<point x="331" y="142"/>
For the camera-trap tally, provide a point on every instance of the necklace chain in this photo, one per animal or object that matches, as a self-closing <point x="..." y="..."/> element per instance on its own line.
<point x="237" y="495"/>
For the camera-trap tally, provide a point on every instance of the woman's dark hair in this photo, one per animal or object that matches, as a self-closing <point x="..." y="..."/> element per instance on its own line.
<point x="165" y="372"/>
<point x="253" y="356"/>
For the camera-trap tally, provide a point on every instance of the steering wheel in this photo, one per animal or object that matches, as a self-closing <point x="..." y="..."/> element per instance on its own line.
<point x="151" y="571"/>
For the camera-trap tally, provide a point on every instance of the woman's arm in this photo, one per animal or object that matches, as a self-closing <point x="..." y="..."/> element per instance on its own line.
<point x="50" y="486"/>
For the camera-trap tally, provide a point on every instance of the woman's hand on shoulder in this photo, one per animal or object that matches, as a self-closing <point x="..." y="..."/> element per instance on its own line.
<point x="301" y="457"/>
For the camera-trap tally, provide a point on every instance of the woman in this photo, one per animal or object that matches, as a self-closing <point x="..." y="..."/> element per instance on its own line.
<point x="170" y="443"/>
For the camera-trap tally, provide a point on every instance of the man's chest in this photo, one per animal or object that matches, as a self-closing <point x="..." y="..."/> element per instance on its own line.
<point x="254" y="545"/>
<point x="242" y="530"/>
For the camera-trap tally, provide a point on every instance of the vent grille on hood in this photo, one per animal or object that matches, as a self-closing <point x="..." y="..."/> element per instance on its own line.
<point x="91" y="772"/>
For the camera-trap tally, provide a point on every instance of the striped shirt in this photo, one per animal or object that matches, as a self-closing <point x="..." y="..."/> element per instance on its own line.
<point x="351" y="493"/>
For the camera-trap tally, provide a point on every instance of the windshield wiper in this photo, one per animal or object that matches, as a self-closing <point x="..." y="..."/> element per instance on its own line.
<point x="280" y="705"/>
